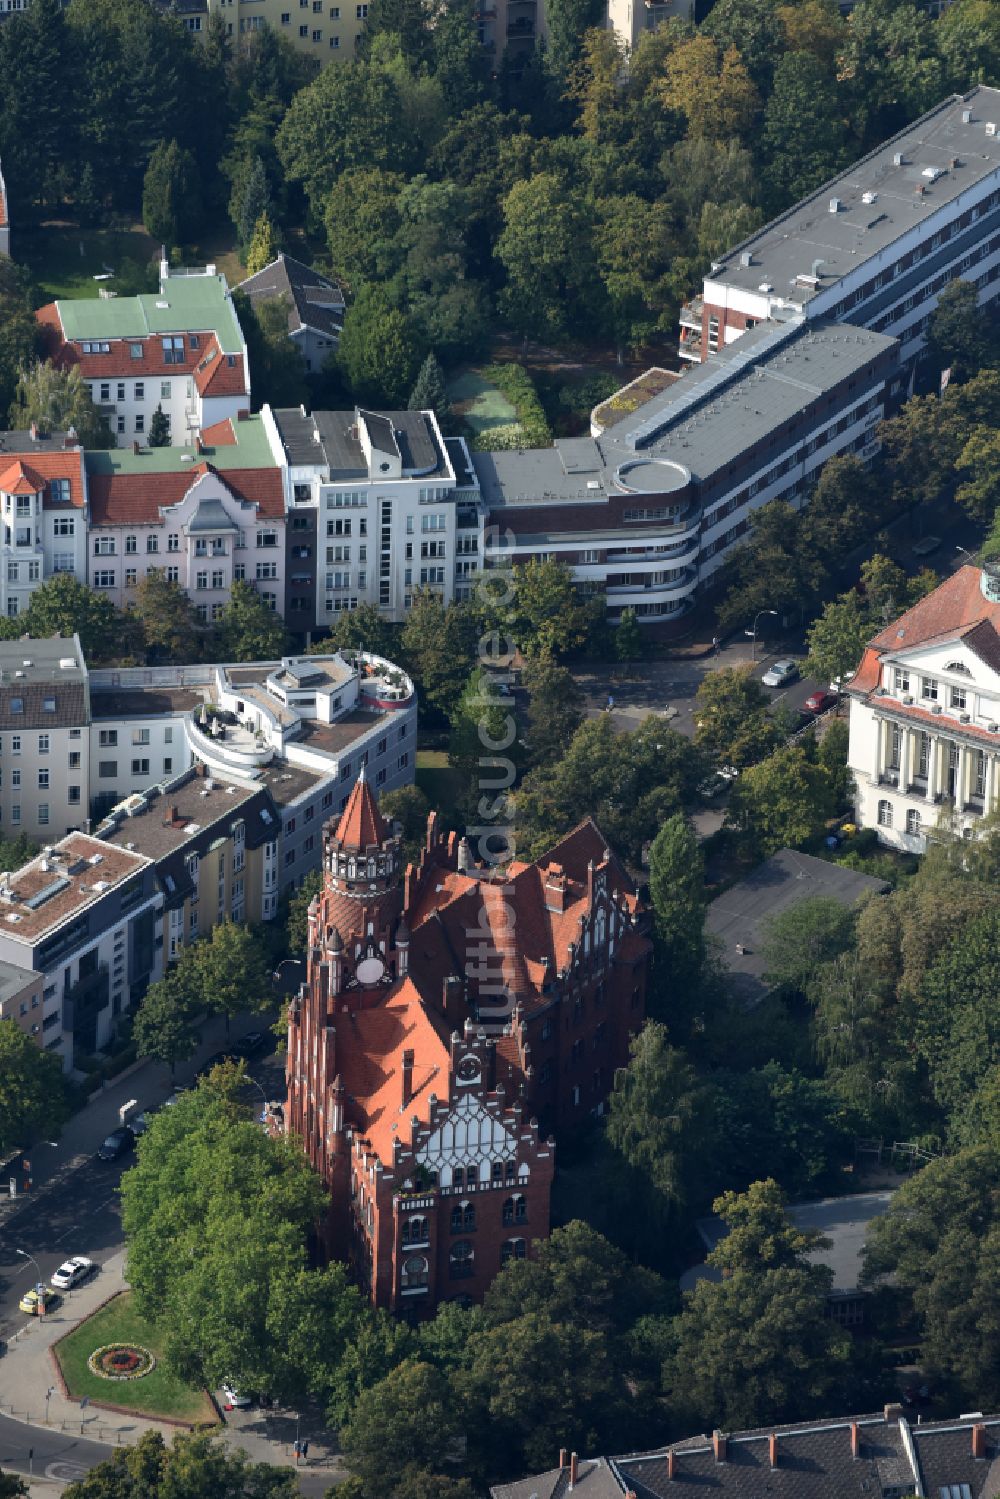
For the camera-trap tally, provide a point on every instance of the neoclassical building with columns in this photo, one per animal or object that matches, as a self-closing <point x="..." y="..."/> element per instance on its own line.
<point x="925" y="714"/>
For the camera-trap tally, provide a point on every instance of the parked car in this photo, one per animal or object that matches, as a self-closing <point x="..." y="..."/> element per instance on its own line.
<point x="713" y="785"/>
<point x="217" y="1059"/>
<point x="34" y="1301"/>
<point x="117" y="1143"/>
<point x="780" y="674"/>
<point x="139" y="1123"/>
<point x="250" y="1044"/>
<point x="234" y="1399"/>
<point x="72" y="1272"/>
<point x="818" y="702"/>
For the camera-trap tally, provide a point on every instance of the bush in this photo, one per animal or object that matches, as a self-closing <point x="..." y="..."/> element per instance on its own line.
<point x="515" y="383"/>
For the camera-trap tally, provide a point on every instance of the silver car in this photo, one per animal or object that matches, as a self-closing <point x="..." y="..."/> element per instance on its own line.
<point x="780" y="674"/>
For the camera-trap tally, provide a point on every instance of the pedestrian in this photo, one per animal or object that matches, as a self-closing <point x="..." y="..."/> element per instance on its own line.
<point x="611" y="704"/>
<point x="715" y="645"/>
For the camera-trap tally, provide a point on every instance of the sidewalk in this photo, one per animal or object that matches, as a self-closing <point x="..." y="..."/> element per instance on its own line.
<point x="149" y="1084"/>
<point x="28" y="1370"/>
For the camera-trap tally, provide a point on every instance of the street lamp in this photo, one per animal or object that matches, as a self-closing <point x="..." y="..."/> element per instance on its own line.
<point x="753" y="633"/>
<point x="38" y="1284"/>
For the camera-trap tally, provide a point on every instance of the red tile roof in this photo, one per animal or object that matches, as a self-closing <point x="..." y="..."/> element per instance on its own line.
<point x="38" y="474"/>
<point x="116" y="499"/>
<point x="219" y="435"/>
<point x="218" y="374"/>
<point x="361" y="824"/>
<point x="954" y="605"/>
<point x="212" y="372"/>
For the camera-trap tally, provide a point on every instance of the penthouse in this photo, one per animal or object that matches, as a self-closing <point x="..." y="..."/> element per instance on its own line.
<point x="647" y="508"/>
<point x="877" y="244"/>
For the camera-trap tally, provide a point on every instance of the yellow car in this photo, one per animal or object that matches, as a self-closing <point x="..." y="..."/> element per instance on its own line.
<point x="29" y="1302"/>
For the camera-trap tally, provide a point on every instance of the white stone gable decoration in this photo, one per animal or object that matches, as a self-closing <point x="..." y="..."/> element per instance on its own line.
<point x="470" y="1135"/>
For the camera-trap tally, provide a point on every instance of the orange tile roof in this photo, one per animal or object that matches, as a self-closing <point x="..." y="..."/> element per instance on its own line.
<point x="213" y="374"/>
<point x="138" y="497"/>
<point x="44" y="467"/>
<point x="361" y="823"/>
<point x="220" y="375"/>
<point x="371" y="1064"/>
<point x="21" y="478"/>
<point x="954" y="605"/>
<point x="220" y="434"/>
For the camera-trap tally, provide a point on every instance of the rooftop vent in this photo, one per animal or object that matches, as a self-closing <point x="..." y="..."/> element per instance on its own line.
<point x="869" y="198"/>
<point x="834" y="205"/>
<point x="66" y="663"/>
<point x="966" y="116"/>
<point x="931" y="173"/>
<point x="897" y="159"/>
<point x="746" y="259"/>
<point x="991" y="128"/>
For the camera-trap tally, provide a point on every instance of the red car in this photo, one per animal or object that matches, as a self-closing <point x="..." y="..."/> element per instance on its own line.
<point x="818" y="702"/>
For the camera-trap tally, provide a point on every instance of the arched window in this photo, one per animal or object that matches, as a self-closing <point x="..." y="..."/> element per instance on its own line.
<point x="415" y="1231"/>
<point x="463" y="1217"/>
<point x="415" y="1273"/>
<point x="913" y="821"/>
<point x="512" y="1249"/>
<point x="885" y="814"/>
<point x="515" y="1209"/>
<point x="461" y="1260"/>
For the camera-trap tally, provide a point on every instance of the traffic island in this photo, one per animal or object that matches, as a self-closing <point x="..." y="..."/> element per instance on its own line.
<point x="156" y="1392"/>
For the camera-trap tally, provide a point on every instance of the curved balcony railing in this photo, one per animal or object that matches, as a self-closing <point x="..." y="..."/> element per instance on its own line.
<point x="233" y="745"/>
<point x="621" y="595"/>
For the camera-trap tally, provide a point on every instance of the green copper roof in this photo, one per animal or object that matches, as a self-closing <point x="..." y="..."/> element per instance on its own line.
<point x="187" y="304"/>
<point x="251" y="450"/>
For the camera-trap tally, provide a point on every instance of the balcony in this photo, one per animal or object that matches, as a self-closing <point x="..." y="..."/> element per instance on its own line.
<point x="222" y="739"/>
<point x="690" y="315"/>
<point x="623" y="595"/>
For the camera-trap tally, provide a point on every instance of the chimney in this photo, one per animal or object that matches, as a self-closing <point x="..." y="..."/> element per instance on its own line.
<point x="33" y="431"/>
<point x="407" y="1077"/>
<point x="563" y="1458"/>
<point x="574" y="1469"/>
<point x="892" y="1412"/>
<point x="453" y="999"/>
<point x="465" y="864"/>
<point x="242" y="415"/>
<point x="719" y="1445"/>
<point x="671" y="1465"/>
<point x="855" y="1439"/>
<point x="555" y="889"/>
<point x="175" y="815"/>
<point x="772" y="1449"/>
<point x="979" y="1440"/>
<point x="136" y="449"/>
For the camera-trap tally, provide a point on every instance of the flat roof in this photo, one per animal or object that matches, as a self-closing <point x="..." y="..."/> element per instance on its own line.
<point x="328" y="438"/>
<point x="45" y="893"/>
<point x="193" y="303"/>
<point x="14" y="978"/>
<point x="168" y="817"/>
<point x="43" y="684"/>
<point x="842" y="1220"/>
<point x="740" y="914"/>
<point x="334" y="738"/>
<point x="703" y="422"/>
<point x="251" y="449"/>
<point x="23" y="442"/>
<point x="956" y="152"/>
<point x="287" y="783"/>
<point x="143" y="702"/>
<point x="46" y="658"/>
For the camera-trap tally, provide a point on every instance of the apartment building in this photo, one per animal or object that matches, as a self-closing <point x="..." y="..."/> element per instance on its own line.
<point x="925" y="714"/>
<point x="206" y="515"/>
<point x="314" y="305"/>
<point x="85" y="917"/>
<point x="214" y="846"/>
<point x="181" y="348"/>
<point x="629" y="19"/>
<point x="21" y="995"/>
<point x="876" y="1456"/>
<point x="4" y="219"/>
<point x="44" y="740"/>
<point x="43" y="500"/>
<point x="645" y="511"/>
<point x="379" y="504"/>
<point x="877" y="244"/>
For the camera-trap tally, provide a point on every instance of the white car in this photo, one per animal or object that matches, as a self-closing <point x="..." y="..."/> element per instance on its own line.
<point x="72" y="1272"/>
<point x="780" y="674"/>
<point x="234" y="1400"/>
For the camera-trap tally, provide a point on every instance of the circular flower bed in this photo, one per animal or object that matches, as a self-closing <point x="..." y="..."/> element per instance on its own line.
<point x="121" y="1361"/>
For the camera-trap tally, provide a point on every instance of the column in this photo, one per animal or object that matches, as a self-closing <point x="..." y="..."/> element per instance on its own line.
<point x="933" y="767"/>
<point x="991" y="761"/>
<point x="881" y="728"/>
<point x="962" y="778"/>
<point x="905" y="758"/>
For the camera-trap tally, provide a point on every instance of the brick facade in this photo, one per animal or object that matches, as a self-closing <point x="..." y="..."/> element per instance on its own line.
<point x="445" y="1014"/>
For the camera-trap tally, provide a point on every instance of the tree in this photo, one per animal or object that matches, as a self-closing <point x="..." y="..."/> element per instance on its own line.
<point x="171" y="194"/>
<point x="163" y="1027"/>
<point x="58" y="400"/>
<point x="409" y="807"/>
<point x="360" y="629"/>
<point x="757" y="1346"/>
<point x="279" y="374"/>
<point x="837" y="638"/>
<point x="555" y="708"/>
<point x="250" y="200"/>
<point x="407" y="1420"/>
<point x="195" y="1464"/>
<point x="362" y="222"/>
<point x="19" y="332"/>
<point x="159" y="428"/>
<point x="171" y="628"/>
<point x="248" y="629"/>
<point x="804" y="136"/>
<point x="629" y="641"/>
<point x="782" y="801"/>
<point x="378" y="351"/>
<point x="439" y="648"/>
<point x="677" y="892"/>
<point x="938" y="1243"/>
<point x="232" y="972"/>
<point x="567" y="24"/>
<point x="545" y="616"/>
<point x="799" y="940"/>
<point x="961" y="336"/>
<point x="732" y="724"/>
<point x="297" y="925"/>
<point x="710" y="88"/>
<point x="62" y="605"/>
<point x="12" y="1487"/>
<point x="264" y="245"/>
<point x="349" y="116"/>
<point x="32" y="1092"/>
<point x="429" y="393"/>
<point x="545" y="249"/>
<point x="483" y="747"/>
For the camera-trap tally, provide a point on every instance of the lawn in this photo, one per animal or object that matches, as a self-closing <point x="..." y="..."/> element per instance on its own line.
<point x="436" y="779"/>
<point x="480" y="404"/>
<point x="64" y="260"/>
<point x="159" y="1393"/>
